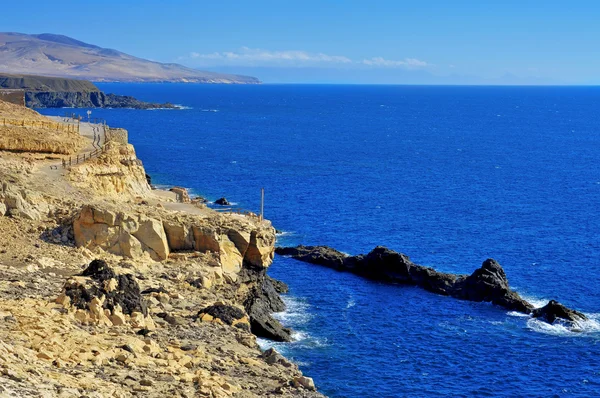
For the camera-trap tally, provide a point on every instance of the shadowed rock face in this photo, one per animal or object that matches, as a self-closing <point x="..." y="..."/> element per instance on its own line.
<point x="261" y="301"/>
<point x="488" y="283"/>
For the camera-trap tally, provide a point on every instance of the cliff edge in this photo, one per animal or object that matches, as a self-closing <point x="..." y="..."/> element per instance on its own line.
<point x="109" y="288"/>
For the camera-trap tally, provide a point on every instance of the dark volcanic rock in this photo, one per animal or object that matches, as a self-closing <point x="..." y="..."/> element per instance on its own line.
<point x="222" y="202"/>
<point x="127" y="293"/>
<point x="488" y="283"/>
<point x="321" y="255"/>
<point x="262" y="300"/>
<point x="554" y="311"/>
<point x="279" y="286"/>
<point x="226" y="313"/>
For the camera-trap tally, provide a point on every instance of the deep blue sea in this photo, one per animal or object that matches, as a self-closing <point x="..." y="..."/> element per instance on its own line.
<point x="448" y="175"/>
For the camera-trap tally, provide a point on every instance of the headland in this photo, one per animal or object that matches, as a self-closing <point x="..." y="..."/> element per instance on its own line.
<point x="111" y="288"/>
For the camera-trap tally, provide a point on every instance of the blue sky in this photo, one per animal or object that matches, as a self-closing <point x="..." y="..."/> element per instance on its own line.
<point x="427" y="41"/>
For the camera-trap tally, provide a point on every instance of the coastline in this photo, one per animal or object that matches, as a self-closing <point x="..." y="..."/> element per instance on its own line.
<point x="167" y="295"/>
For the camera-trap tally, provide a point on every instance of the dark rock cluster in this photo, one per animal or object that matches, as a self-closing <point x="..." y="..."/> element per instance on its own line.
<point x="486" y="284"/>
<point x="126" y="294"/>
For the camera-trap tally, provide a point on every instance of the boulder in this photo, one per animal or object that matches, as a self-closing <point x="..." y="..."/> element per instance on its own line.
<point x="222" y="202"/>
<point x="227" y="313"/>
<point x="279" y="286"/>
<point x="151" y="235"/>
<point x="179" y="235"/>
<point x="182" y="194"/>
<point x="556" y="312"/>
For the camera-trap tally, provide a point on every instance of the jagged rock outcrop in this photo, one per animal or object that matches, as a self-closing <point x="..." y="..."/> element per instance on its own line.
<point x="486" y="284"/>
<point x="261" y="299"/>
<point x="227" y="314"/>
<point x="100" y="296"/>
<point x="556" y="312"/>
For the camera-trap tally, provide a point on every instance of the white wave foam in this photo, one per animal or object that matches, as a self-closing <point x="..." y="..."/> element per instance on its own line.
<point x="351" y="303"/>
<point x="296" y="313"/>
<point x="535" y="301"/>
<point x="209" y="110"/>
<point x="579" y="329"/>
<point x="517" y="314"/>
<point x="284" y="233"/>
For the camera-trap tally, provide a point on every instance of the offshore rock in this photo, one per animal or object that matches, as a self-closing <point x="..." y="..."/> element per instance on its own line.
<point x="222" y="202"/>
<point x="554" y="311"/>
<point x="487" y="284"/>
<point x="321" y="255"/>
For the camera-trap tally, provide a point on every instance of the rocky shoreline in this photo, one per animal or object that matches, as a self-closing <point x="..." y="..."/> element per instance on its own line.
<point x="110" y="288"/>
<point x="486" y="284"/>
<point x="93" y="99"/>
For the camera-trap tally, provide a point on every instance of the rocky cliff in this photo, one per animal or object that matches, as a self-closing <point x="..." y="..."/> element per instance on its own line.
<point x="58" y="92"/>
<point x="91" y="99"/>
<point x="108" y="288"/>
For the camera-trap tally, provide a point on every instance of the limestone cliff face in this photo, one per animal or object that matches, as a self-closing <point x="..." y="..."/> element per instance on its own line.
<point x="233" y="239"/>
<point x="117" y="171"/>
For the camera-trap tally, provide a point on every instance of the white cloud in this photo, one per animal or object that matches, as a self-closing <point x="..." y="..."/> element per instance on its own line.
<point x="247" y="56"/>
<point x="255" y="56"/>
<point x="411" y="63"/>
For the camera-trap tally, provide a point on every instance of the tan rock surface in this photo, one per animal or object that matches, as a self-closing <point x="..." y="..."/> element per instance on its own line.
<point x="49" y="347"/>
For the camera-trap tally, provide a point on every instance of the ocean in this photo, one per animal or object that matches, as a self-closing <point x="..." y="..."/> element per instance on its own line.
<point x="449" y="176"/>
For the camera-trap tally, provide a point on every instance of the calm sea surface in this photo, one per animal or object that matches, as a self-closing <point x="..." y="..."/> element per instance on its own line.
<point x="448" y="175"/>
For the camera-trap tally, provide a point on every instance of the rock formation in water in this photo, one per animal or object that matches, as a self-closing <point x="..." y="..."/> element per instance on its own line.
<point x="486" y="284"/>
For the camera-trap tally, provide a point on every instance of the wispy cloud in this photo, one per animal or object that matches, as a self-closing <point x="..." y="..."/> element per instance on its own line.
<point x="247" y="56"/>
<point x="254" y="56"/>
<point x="410" y="63"/>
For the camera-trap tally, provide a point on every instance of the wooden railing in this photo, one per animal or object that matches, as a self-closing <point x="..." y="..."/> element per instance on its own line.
<point x="73" y="160"/>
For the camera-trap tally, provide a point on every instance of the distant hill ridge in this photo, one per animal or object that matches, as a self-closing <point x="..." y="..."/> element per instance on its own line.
<point x="44" y="83"/>
<point x="62" y="56"/>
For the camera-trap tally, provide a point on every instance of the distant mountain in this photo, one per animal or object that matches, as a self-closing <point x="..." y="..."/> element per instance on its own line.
<point x="61" y="56"/>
